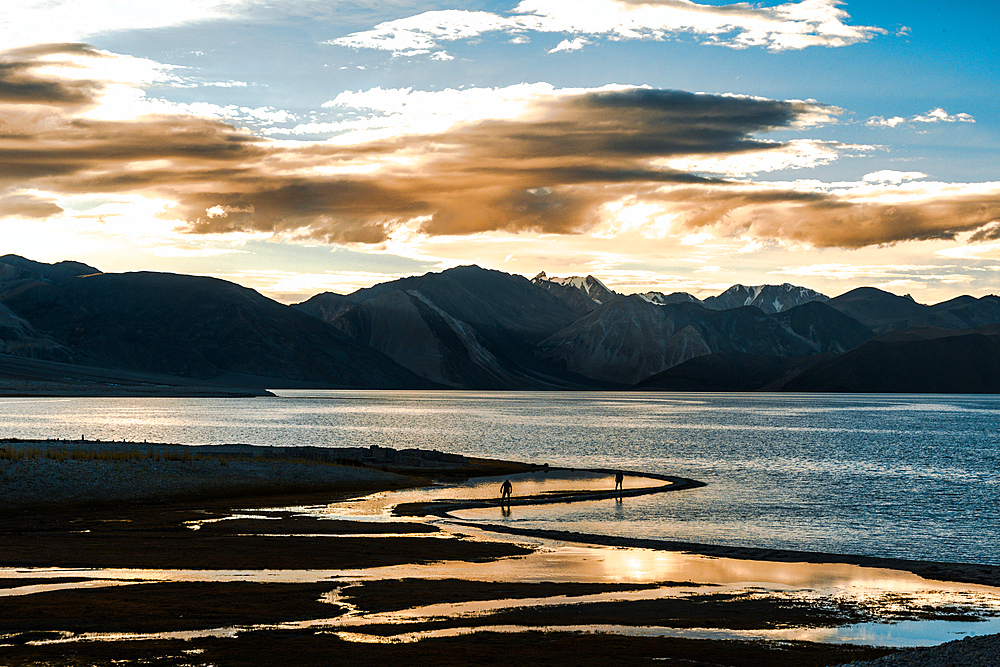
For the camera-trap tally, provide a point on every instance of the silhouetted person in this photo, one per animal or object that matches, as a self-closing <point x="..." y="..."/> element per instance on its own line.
<point x="505" y="490"/>
<point x="619" y="482"/>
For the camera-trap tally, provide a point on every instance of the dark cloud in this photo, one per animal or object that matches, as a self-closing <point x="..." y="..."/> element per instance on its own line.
<point x="551" y="173"/>
<point x="20" y="84"/>
<point x="824" y="220"/>
<point x="28" y="206"/>
<point x="988" y="233"/>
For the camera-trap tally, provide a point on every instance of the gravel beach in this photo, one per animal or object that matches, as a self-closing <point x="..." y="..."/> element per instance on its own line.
<point x="967" y="652"/>
<point x="32" y="477"/>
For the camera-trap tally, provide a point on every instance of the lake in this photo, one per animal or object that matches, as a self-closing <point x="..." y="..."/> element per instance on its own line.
<point x="906" y="476"/>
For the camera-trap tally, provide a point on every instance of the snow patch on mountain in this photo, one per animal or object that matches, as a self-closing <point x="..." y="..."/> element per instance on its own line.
<point x="769" y="298"/>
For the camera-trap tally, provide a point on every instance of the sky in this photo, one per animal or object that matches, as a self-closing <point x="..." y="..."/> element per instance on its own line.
<point x="303" y="146"/>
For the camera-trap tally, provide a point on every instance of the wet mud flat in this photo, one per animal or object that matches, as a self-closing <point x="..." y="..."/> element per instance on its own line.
<point x="265" y="581"/>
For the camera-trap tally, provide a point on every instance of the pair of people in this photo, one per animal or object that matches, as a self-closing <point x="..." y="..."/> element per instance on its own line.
<point x="506" y="489"/>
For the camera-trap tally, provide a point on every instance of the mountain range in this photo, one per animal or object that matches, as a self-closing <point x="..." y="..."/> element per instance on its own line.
<point x="473" y="328"/>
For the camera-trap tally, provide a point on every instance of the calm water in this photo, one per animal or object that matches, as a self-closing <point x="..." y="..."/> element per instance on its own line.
<point x="910" y="476"/>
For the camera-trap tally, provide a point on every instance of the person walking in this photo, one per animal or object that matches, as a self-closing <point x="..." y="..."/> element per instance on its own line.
<point x="619" y="481"/>
<point x="505" y="490"/>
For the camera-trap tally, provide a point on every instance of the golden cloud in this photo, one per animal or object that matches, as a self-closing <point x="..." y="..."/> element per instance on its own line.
<point x="552" y="170"/>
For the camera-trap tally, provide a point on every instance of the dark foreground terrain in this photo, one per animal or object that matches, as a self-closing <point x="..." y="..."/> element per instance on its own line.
<point x="253" y="580"/>
<point x="263" y="616"/>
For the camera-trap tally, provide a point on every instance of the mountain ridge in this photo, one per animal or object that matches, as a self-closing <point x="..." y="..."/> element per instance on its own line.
<point x="473" y="328"/>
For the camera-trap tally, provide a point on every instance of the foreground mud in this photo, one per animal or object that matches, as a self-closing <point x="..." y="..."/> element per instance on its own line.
<point x="308" y="649"/>
<point x="162" y="538"/>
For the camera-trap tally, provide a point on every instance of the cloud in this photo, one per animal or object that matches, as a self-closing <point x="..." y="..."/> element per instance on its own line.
<point x="988" y="251"/>
<point x="990" y="232"/>
<point x="840" y="218"/>
<point x="892" y="277"/>
<point x="790" y="26"/>
<point x="35" y="21"/>
<point x="21" y="83"/>
<point x="28" y="206"/>
<point x="574" y="44"/>
<point x="548" y="161"/>
<point x="937" y="115"/>
<point x="795" y="154"/>
<point x="426" y="31"/>
<point x="890" y="176"/>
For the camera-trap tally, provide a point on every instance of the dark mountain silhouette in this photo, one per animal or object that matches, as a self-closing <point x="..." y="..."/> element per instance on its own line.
<point x="827" y="328"/>
<point x="632" y="339"/>
<point x="589" y="293"/>
<point x="966" y="312"/>
<point x="19" y="338"/>
<point x="69" y="325"/>
<point x="582" y="294"/>
<point x="882" y="311"/>
<point x="14" y="267"/>
<point x="34" y="377"/>
<point x="326" y="306"/>
<point x="967" y="362"/>
<point x="930" y="333"/>
<point x="464" y="327"/>
<point x="627" y="340"/>
<point x="414" y="332"/>
<point x="193" y="327"/>
<point x="17" y="335"/>
<point x="727" y="371"/>
<point x="505" y="309"/>
<point x="661" y="299"/>
<point x="768" y="298"/>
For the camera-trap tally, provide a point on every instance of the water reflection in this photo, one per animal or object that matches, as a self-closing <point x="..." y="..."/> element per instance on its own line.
<point x="872" y="589"/>
<point x="553" y="561"/>
<point x="867" y="588"/>
<point x="901" y="635"/>
<point x="379" y="506"/>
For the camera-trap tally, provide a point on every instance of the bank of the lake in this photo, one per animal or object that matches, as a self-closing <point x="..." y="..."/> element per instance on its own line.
<point x="902" y="476"/>
<point x="238" y="579"/>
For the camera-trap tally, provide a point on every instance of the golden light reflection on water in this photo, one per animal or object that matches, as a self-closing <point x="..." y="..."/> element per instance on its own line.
<point x="379" y="505"/>
<point x="880" y="591"/>
<point x="556" y="562"/>
<point x="873" y="634"/>
<point x="870" y="588"/>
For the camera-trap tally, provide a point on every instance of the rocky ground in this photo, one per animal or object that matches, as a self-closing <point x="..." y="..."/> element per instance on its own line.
<point x="53" y="473"/>
<point x="86" y="472"/>
<point x="967" y="652"/>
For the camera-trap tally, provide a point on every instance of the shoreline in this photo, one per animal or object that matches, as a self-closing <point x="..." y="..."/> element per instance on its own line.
<point x="262" y="529"/>
<point x="55" y="475"/>
<point x="370" y="476"/>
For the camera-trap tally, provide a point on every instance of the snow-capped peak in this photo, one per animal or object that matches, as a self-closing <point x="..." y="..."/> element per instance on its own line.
<point x="588" y="285"/>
